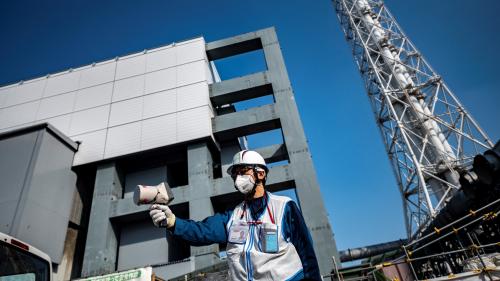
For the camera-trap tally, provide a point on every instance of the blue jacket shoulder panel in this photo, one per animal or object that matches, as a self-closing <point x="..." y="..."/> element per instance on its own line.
<point x="208" y="231"/>
<point x="295" y="231"/>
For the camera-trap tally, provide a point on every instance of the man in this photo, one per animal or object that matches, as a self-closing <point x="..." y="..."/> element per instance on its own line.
<point x="266" y="235"/>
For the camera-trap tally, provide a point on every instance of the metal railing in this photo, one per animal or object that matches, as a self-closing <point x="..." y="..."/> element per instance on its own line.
<point x="446" y="251"/>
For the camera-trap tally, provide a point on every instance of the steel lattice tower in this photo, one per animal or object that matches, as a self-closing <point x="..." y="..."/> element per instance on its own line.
<point x="429" y="136"/>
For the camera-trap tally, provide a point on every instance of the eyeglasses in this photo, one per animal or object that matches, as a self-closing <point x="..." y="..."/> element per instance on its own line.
<point x="240" y="171"/>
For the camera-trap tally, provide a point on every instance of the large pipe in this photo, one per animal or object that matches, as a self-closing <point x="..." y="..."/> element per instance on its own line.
<point x="370" y="251"/>
<point x="443" y="149"/>
<point x="440" y="152"/>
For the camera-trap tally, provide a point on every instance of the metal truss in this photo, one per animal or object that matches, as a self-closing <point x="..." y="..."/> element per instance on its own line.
<point x="429" y="136"/>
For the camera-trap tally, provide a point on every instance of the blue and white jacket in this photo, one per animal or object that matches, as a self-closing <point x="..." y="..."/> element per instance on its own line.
<point x="295" y="259"/>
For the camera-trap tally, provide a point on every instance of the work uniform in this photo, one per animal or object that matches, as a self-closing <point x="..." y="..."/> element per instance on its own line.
<point x="267" y="239"/>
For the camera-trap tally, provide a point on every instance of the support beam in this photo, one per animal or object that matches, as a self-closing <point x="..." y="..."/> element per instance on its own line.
<point x="102" y="238"/>
<point x="233" y="46"/>
<point x="245" y="122"/>
<point x="200" y="174"/>
<point x="240" y="89"/>
<point x="273" y="153"/>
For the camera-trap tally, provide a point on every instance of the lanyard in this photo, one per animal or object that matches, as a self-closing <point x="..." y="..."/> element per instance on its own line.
<point x="268" y="211"/>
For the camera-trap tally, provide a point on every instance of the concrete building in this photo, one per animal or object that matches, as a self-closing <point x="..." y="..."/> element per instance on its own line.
<point x="159" y="115"/>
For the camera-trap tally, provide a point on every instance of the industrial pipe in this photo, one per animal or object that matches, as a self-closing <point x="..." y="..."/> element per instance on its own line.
<point x="370" y="251"/>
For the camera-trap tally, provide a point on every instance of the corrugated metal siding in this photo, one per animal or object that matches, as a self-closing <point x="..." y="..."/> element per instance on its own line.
<point x="159" y="131"/>
<point x="98" y="74"/>
<point x="140" y="101"/>
<point x="91" y="147"/>
<point x="24" y="93"/>
<point x="56" y="105"/>
<point x="89" y="120"/>
<point x="160" y="103"/>
<point x="131" y="66"/>
<point x="126" y="111"/>
<point x="123" y="140"/>
<point x="62" y="83"/>
<point x="24" y="113"/>
<point x="93" y="96"/>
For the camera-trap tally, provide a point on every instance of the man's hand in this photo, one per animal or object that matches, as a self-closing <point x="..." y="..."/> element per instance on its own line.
<point x="162" y="216"/>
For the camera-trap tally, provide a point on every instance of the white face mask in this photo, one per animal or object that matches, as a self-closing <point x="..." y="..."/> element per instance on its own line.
<point x="244" y="183"/>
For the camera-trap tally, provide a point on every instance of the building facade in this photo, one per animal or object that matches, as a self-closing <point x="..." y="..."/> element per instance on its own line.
<point x="160" y="115"/>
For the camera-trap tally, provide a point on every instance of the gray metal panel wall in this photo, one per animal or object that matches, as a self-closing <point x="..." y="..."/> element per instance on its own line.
<point x="16" y="153"/>
<point x="35" y="169"/>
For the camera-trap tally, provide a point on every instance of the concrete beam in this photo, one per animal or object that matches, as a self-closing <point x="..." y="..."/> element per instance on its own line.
<point x="279" y="178"/>
<point x="101" y="249"/>
<point x="234" y="46"/>
<point x="200" y="174"/>
<point x="238" y="44"/>
<point x="240" y="89"/>
<point x="273" y="153"/>
<point x="245" y="122"/>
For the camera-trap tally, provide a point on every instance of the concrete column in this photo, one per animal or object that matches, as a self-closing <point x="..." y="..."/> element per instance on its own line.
<point x="307" y="187"/>
<point x="200" y="175"/>
<point x="102" y="239"/>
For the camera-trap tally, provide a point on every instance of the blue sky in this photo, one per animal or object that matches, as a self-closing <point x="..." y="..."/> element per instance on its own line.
<point x="459" y="38"/>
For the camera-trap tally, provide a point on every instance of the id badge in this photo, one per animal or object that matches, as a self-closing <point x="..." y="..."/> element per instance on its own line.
<point x="238" y="233"/>
<point x="269" y="238"/>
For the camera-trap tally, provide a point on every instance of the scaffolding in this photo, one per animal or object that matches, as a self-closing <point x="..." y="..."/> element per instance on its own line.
<point x="429" y="136"/>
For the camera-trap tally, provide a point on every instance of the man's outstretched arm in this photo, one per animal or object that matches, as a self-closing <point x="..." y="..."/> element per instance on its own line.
<point x="208" y="231"/>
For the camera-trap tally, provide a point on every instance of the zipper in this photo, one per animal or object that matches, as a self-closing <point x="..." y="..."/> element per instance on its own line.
<point x="249" y="266"/>
<point x="253" y="241"/>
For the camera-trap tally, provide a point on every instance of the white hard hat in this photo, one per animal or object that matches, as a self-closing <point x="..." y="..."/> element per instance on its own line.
<point x="247" y="158"/>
